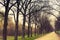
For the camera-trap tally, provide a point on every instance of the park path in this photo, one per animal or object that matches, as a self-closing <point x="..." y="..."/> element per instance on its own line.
<point x="50" y="36"/>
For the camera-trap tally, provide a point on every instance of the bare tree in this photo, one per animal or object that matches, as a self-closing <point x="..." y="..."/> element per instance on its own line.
<point x="17" y="16"/>
<point x="5" y="20"/>
<point x="7" y="8"/>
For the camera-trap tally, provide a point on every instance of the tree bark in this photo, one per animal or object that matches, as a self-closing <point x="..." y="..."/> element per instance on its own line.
<point x="23" y="27"/>
<point x="16" y="28"/>
<point x="35" y="29"/>
<point x="29" y="25"/>
<point x="6" y="20"/>
<point x="31" y="31"/>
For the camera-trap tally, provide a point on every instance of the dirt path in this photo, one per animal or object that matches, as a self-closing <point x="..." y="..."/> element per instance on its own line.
<point x="50" y="36"/>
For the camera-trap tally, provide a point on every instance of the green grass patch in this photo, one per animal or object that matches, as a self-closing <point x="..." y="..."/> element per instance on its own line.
<point x="58" y="32"/>
<point x="20" y="37"/>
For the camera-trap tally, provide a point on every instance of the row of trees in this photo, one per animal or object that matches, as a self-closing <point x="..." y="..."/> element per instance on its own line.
<point x="32" y="11"/>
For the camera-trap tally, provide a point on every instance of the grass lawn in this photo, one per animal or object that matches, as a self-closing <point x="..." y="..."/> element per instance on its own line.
<point x="58" y="32"/>
<point x="26" y="38"/>
<point x="20" y="37"/>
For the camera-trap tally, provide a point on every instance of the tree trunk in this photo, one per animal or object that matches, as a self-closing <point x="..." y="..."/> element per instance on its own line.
<point x="23" y="27"/>
<point x="31" y="31"/>
<point x="35" y="29"/>
<point x="6" y="21"/>
<point x="16" y="28"/>
<point x="29" y="25"/>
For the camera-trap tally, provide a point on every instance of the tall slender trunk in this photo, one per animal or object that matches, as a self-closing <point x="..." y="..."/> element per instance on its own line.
<point x="6" y="21"/>
<point x="5" y="26"/>
<point x="23" y="27"/>
<point x="31" y="31"/>
<point x="16" y="28"/>
<point x="41" y="28"/>
<point x="35" y="29"/>
<point x="29" y="25"/>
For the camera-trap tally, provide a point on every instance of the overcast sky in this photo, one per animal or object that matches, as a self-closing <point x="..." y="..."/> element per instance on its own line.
<point x="51" y="18"/>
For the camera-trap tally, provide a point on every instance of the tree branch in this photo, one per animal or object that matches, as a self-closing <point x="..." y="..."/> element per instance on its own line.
<point x="12" y="5"/>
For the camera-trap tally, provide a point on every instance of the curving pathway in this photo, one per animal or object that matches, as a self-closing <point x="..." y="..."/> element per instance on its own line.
<point x="50" y="36"/>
